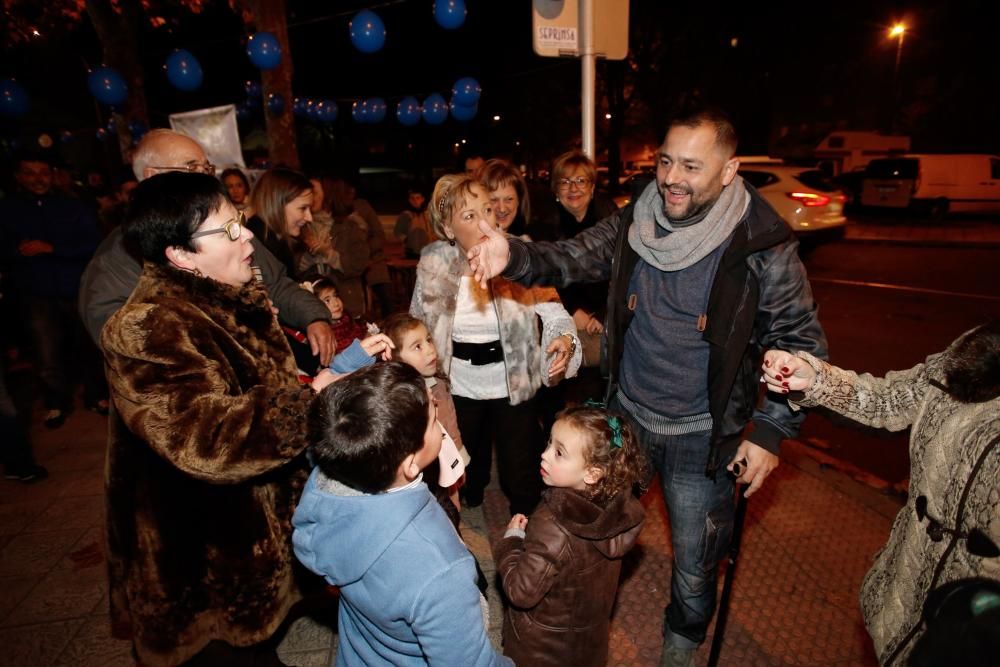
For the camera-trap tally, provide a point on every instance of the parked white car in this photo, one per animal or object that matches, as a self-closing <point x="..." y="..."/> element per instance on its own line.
<point x="934" y="184"/>
<point x="804" y="197"/>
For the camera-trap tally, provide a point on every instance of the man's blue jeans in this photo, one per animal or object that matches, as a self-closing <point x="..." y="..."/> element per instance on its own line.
<point x="701" y="513"/>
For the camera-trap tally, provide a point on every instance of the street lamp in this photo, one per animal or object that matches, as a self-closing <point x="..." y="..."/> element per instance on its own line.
<point x="897" y="32"/>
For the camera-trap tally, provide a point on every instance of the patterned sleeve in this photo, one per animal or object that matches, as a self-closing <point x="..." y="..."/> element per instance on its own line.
<point x="892" y="402"/>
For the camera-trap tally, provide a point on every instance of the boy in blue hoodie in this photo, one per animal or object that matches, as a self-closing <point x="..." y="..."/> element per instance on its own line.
<point x="368" y="524"/>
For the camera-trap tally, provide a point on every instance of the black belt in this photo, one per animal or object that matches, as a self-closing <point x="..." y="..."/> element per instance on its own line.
<point x="478" y="354"/>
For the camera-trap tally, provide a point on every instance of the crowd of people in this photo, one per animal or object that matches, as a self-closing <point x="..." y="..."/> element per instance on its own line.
<point x="278" y="434"/>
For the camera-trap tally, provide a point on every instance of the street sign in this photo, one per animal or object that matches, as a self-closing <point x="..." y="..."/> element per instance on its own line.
<point x="556" y="29"/>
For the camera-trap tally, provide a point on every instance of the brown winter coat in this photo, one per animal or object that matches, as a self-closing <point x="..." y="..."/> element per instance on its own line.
<point x="204" y="466"/>
<point x="561" y="579"/>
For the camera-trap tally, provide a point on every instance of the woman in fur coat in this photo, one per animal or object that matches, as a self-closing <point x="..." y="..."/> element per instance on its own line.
<point x="950" y="526"/>
<point x="490" y="347"/>
<point x="205" y="454"/>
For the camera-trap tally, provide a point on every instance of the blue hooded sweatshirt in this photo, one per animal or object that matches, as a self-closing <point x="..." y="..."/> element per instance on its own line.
<point x="408" y="592"/>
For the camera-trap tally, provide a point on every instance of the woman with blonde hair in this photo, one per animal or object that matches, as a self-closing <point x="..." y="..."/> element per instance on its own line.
<point x="282" y="199"/>
<point x="489" y="345"/>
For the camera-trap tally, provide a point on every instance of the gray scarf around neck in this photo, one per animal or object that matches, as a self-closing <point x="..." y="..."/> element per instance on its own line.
<point x="684" y="246"/>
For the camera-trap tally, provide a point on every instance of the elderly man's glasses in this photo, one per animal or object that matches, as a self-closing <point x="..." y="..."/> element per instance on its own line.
<point x="567" y="183"/>
<point x="976" y="541"/>
<point x="232" y="229"/>
<point x="191" y="168"/>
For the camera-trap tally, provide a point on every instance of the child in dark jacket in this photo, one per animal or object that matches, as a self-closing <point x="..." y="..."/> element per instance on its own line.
<point x="560" y="569"/>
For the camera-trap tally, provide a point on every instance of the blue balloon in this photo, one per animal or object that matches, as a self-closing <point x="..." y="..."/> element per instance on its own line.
<point x="312" y="109"/>
<point x="13" y="99"/>
<point x="435" y="109"/>
<point x="183" y="70"/>
<point x="264" y="50"/>
<point x="367" y="31"/>
<point x="107" y="85"/>
<point x="326" y="111"/>
<point x="276" y="104"/>
<point x="376" y="110"/>
<point x="462" y="112"/>
<point x="466" y="92"/>
<point x="244" y="111"/>
<point x="359" y="111"/>
<point x="408" y="111"/>
<point x="252" y="89"/>
<point x="101" y="134"/>
<point x="299" y="107"/>
<point x="111" y="127"/>
<point x="137" y="129"/>
<point x="66" y="137"/>
<point x="449" y="14"/>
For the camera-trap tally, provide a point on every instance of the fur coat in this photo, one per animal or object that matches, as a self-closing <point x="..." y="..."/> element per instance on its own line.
<point x="205" y="465"/>
<point x="954" y="464"/>
<point x="435" y="296"/>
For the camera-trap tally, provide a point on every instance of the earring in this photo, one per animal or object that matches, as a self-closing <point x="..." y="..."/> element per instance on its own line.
<point x="451" y="242"/>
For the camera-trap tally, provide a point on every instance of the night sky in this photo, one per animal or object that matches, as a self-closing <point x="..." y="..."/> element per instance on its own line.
<point x="797" y="71"/>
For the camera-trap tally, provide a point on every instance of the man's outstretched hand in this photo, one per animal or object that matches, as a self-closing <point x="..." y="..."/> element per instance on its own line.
<point x="489" y="258"/>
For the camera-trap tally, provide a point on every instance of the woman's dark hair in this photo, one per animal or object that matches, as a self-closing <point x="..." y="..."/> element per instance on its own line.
<point x="166" y="209"/>
<point x="366" y="424"/>
<point x="233" y="171"/>
<point x="972" y="367"/>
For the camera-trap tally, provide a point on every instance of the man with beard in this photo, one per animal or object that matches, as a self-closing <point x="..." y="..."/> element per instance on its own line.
<point x="704" y="276"/>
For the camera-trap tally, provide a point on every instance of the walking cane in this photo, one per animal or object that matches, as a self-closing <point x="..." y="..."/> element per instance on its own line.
<point x="727" y="583"/>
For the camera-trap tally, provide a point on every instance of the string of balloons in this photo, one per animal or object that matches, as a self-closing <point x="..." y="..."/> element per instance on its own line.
<point x="368" y="35"/>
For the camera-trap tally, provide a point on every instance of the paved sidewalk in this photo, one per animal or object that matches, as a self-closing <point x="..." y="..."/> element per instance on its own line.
<point x="810" y="536"/>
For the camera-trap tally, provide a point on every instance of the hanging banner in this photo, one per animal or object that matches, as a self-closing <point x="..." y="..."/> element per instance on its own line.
<point x="215" y="129"/>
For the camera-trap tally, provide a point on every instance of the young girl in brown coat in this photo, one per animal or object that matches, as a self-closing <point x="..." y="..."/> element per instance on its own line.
<point x="560" y="569"/>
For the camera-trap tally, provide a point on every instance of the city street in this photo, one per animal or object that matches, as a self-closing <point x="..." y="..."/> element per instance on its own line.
<point x="886" y="304"/>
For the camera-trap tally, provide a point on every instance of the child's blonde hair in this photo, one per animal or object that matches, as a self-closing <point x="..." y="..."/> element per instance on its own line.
<point x="611" y="445"/>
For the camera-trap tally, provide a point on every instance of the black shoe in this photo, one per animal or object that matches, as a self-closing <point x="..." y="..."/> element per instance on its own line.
<point x="54" y="418"/>
<point x="29" y="474"/>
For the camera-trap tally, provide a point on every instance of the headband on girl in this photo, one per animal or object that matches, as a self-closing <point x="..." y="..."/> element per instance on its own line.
<point x="613" y="423"/>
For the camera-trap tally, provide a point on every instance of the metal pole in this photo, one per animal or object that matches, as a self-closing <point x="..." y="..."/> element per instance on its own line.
<point x="588" y="76"/>
<point x="727" y="585"/>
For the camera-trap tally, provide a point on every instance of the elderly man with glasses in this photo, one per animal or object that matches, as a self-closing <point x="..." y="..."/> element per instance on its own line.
<point x="113" y="273"/>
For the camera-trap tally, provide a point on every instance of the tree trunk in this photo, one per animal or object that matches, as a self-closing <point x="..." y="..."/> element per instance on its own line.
<point x="270" y="16"/>
<point x="118" y="32"/>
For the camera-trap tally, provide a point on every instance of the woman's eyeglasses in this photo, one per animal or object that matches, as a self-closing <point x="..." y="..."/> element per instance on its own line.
<point x="580" y="182"/>
<point x="977" y="542"/>
<point x="232" y="229"/>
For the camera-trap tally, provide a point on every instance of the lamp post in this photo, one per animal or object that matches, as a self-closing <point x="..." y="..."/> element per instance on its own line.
<point x="897" y="32"/>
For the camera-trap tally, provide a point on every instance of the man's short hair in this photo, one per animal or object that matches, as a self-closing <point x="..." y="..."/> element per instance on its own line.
<point x="166" y="209"/>
<point x="42" y="157"/>
<point x="366" y="424"/>
<point x="145" y="155"/>
<point x="725" y="132"/>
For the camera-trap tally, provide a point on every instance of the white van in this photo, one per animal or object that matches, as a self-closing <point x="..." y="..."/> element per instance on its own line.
<point x="934" y="184"/>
